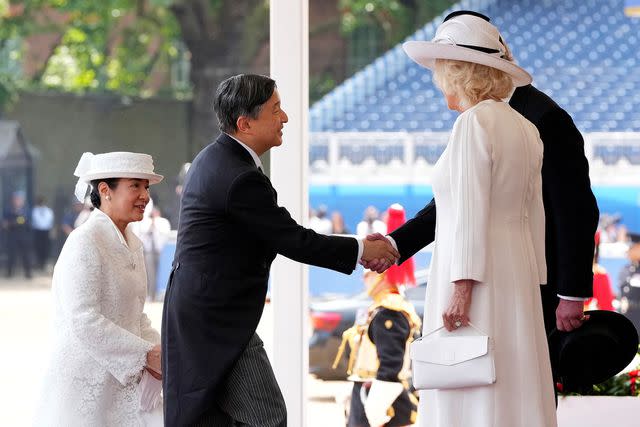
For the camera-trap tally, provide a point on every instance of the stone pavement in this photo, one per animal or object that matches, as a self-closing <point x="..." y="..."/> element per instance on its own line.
<point x="25" y="311"/>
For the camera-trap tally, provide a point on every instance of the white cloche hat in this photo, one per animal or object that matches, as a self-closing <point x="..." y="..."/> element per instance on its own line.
<point x="470" y="37"/>
<point x="118" y="164"/>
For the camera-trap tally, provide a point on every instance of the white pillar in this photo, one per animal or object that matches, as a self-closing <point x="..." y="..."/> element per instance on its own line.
<point x="289" y="47"/>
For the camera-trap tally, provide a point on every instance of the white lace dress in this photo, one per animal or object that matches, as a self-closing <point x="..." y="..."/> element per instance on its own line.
<point x="100" y="334"/>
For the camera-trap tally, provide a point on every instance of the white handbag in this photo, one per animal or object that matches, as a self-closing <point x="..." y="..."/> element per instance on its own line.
<point x="452" y="361"/>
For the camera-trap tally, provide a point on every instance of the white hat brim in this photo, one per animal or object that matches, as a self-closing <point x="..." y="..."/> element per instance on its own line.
<point x="425" y="54"/>
<point x="152" y="177"/>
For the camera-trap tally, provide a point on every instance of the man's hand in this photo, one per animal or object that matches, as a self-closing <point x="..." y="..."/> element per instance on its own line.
<point x="570" y="315"/>
<point x="380" y="251"/>
<point x="378" y="265"/>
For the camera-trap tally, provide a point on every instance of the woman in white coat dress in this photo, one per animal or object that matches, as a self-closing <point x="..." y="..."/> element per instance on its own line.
<point x="103" y="345"/>
<point x="489" y="257"/>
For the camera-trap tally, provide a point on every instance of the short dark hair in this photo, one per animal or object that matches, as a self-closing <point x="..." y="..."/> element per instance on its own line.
<point x="241" y="95"/>
<point x="95" y="194"/>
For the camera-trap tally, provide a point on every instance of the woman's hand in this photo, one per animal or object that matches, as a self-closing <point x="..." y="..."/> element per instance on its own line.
<point x="154" y="362"/>
<point x="457" y="314"/>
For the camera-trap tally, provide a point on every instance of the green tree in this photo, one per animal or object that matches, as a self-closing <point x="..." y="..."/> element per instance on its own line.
<point x="114" y="46"/>
<point x="92" y="46"/>
<point x="222" y="38"/>
<point x="374" y="26"/>
<point x="121" y="46"/>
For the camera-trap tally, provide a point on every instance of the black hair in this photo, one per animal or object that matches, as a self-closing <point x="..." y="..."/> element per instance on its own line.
<point x="241" y="95"/>
<point x="95" y="194"/>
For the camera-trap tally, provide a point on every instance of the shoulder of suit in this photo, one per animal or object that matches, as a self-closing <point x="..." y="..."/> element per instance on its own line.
<point x="221" y="156"/>
<point x="539" y="104"/>
<point x="88" y="238"/>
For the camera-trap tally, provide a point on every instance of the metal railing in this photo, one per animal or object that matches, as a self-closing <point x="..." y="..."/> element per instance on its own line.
<point x="408" y="158"/>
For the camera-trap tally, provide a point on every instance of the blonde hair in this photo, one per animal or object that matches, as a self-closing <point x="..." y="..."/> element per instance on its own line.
<point x="471" y="82"/>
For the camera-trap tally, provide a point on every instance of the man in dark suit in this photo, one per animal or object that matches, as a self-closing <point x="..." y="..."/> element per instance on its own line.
<point x="571" y="211"/>
<point x="215" y="369"/>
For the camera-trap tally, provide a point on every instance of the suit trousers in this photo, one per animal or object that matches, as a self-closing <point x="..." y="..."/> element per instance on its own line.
<point x="250" y="395"/>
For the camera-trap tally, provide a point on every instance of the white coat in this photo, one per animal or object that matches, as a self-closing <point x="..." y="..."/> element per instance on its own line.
<point x="490" y="228"/>
<point x="100" y="334"/>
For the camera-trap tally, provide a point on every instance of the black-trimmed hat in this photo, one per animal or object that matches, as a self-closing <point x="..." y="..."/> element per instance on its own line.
<point x="602" y="347"/>
<point x="467" y="36"/>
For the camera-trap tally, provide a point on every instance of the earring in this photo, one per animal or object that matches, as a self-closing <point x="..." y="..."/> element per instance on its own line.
<point x="109" y="198"/>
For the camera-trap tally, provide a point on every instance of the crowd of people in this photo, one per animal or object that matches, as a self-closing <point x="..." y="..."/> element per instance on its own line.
<point x="372" y="222"/>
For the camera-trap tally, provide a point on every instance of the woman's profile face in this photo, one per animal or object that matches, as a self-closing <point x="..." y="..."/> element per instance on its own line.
<point x="128" y="199"/>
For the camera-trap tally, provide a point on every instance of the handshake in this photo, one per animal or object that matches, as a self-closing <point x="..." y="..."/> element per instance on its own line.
<point x="378" y="254"/>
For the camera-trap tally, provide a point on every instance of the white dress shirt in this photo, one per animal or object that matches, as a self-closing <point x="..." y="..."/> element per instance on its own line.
<point x="42" y="218"/>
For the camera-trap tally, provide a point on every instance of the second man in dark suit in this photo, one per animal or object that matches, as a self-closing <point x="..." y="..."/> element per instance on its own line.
<point x="571" y="212"/>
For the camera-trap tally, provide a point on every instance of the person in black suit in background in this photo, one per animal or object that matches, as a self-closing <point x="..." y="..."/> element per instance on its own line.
<point x="17" y="223"/>
<point x="215" y="369"/>
<point x="571" y="211"/>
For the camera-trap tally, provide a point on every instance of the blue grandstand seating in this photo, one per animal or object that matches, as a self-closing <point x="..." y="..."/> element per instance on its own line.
<point x="583" y="53"/>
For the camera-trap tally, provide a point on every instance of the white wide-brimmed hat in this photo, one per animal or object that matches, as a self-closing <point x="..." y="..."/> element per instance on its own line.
<point x="119" y="164"/>
<point x="467" y="37"/>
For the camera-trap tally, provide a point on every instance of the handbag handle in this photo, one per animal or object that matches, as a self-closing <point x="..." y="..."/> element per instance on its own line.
<point x="470" y="324"/>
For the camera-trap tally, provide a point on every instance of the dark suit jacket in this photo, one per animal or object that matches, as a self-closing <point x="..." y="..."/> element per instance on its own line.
<point x="571" y="211"/>
<point x="229" y="232"/>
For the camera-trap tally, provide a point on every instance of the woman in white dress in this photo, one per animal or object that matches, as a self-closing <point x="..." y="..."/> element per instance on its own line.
<point x="103" y="346"/>
<point x="489" y="257"/>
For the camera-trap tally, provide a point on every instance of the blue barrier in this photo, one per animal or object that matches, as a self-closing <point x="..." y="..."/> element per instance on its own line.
<point x="164" y="267"/>
<point x="322" y="282"/>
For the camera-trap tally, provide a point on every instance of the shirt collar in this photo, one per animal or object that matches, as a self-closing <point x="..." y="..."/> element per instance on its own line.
<point x="254" y="156"/>
<point x="132" y="242"/>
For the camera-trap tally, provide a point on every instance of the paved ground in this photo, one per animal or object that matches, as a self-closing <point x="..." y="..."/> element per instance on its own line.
<point x="25" y="309"/>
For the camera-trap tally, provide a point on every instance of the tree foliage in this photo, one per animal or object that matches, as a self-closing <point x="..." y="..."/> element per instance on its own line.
<point x="395" y="18"/>
<point x="92" y="46"/>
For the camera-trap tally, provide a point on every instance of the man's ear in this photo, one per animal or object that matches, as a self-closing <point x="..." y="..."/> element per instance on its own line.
<point x="243" y="124"/>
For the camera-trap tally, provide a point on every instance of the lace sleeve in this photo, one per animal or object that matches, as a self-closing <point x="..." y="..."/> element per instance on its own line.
<point x="120" y="352"/>
<point x="148" y="333"/>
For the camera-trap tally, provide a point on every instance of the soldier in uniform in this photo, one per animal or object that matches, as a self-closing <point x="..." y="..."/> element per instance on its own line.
<point x="379" y="363"/>
<point x="630" y="283"/>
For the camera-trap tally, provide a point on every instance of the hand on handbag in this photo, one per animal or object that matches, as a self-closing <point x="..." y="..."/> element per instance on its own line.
<point x="457" y="313"/>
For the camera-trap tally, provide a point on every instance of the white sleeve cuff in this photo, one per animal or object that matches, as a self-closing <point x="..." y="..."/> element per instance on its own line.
<point x="572" y="298"/>
<point x="360" y="250"/>
<point x="381" y="396"/>
<point x="393" y="242"/>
